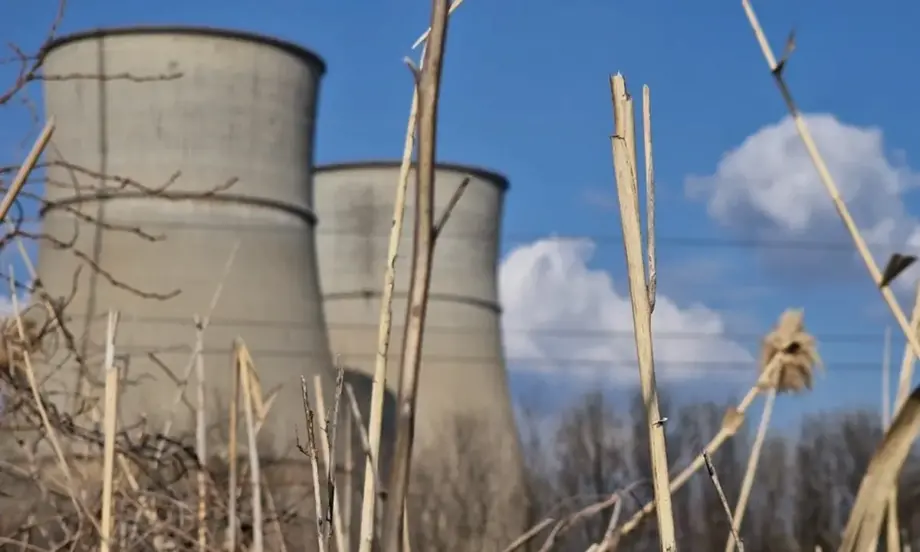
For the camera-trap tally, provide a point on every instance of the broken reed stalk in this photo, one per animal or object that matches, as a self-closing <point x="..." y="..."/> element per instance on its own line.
<point x="244" y="364"/>
<point x="714" y="477"/>
<point x="881" y="477"/>
<point x="905" y="378"/>
<point x="201" y="437"/>
<point x="428" y="85"/>
<point x="329" y="461"/>
<point x="110" y="428"/>
<point x="362" y="432"/>
<point x="830" y="186"/>
<point x="378" y="389"/>
<point x="28" y="165"/>
<point x="310" y="452"/>
<point x="747" y="483"/>
<point x="787" y="363"/>
<point x="624" y="156"/>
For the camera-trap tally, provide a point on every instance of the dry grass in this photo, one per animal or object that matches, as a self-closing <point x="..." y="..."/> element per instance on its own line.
<point x="138" y="490"/>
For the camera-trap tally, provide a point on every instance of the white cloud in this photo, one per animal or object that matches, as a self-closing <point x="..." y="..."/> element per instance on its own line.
<point x="768" y="189"/>
<point x="562" y="316"/>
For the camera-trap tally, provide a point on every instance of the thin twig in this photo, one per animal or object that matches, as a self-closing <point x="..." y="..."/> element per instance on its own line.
<point x="714" y="477"/>
<point x="449" y="208"/>
<point x="311" y="454"/>
<point x="333" y="516"/>
<point x="110" y="424"/>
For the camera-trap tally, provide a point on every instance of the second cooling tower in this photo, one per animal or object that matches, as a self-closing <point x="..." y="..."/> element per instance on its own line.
<point x="174" y="148"/>
<point x="463" y="377"/>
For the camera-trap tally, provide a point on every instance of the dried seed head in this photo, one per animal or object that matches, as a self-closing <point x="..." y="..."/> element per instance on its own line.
<point x="791" y="355"/>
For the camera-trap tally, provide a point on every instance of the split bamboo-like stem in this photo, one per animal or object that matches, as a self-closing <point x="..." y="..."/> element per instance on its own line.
<point x="624" y="156"/>
<point x="110" y="428"/>
<point x="649" y="197"/>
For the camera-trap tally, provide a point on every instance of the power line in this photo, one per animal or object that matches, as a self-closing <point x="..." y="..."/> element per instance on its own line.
<point x="530" y="361"/>
<point x="678" y="241"/>
<point x="241" y="323"/>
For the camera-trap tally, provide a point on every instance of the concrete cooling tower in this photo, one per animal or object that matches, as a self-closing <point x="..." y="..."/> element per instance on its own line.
<point x="152" y="125"/>
<point x="463" y="383"/>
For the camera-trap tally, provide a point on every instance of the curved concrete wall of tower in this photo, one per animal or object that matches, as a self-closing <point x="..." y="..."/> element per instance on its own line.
<point x="214" y="107"/>
<point x="463" y="377"/>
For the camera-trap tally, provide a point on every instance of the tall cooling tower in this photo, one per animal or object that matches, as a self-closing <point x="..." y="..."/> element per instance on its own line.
<point x="134" y="107"/>
<point x="463" y="381"/>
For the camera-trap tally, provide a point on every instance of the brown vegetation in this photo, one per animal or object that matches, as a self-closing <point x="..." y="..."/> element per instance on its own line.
<point x="72" y="478"/>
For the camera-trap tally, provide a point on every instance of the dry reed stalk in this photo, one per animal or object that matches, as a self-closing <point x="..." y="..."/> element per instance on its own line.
<point x="624" y="156"/>
<point x="830" y="186"/>
<point x="788" y="359"/>
<point x="378" y="391"/>
<point x="244" y="362"/>
<point x="201" y="437"/>
<point x="28" y="165"/>
<point x="747" y="483"/>
<point x="453" y="6"/>
<point x="609" y="542"/>
<point x="892" y="533"/>
<point x="863" y="527"/>
<point x="362" y="432"/>
<point x="328" y="451"/>
<point x="348" y="483"/>
<point x="886" y="379"/>
<point x="233" y="459"/>
<point x="311" y="453"/>
<point x="649" y="196"/>
<point x="905" y="378"/>
<point x="714" y="477"/>
<point x="110" y="427"/>
<point x="428" y="83"/>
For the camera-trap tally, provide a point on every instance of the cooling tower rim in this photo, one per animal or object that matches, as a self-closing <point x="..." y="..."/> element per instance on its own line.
<point x="298" y="51"/>
<point x="499" y="180"/>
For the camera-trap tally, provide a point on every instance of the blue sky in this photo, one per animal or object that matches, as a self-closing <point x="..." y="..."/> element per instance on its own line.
<point x="525" y="93"/>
